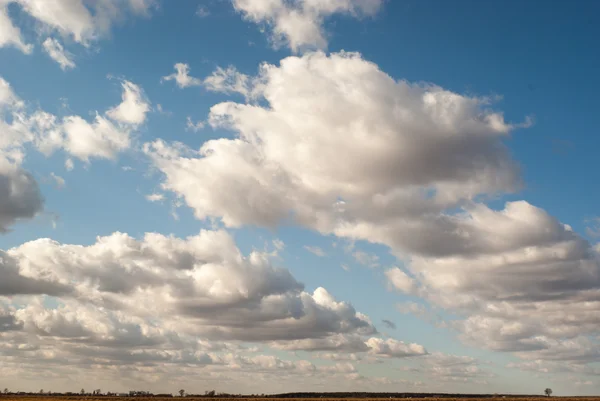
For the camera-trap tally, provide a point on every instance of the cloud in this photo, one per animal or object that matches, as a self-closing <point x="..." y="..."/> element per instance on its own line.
<point x="424" y="160"/>
<point x="104" y="137"/>
<point x="82" y="22"/>
<point x="20" y="196"/>
<point x="10" y="35"/>
<point x="202" y="11"/>
<point x="230" y="80"/>
<point x="394" y="348"/>
<point x="366" y="259"/>
<point x="181" y="76"/>
<point x="57" y="53"/>
<point x="298" y="24"/>
<point x="193" y="126"/>
<point x="155" y="197"/>
<point x="132" y="110"/>
<point x="168" y="306"/>
<point x="315" y="250"/>
<point x="202" y="285"/>
<point x="400" y="280"/>
<point x="60" y="182"/>
<point x="286" y="161"/>
<point x="389" y="324"/>
<point x="14" y="282"/>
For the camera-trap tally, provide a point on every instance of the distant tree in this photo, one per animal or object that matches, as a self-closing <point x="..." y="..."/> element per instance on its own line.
<point x="182" y="392"/>
<point x="42" y="391"/>
<point x="82" y="392"/>
<point x="6" y="391"/>
<point x="548" y="392"/>
<point x="210" y="393"/>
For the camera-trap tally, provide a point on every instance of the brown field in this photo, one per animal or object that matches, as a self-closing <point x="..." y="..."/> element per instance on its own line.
<point x="104" y="398"/>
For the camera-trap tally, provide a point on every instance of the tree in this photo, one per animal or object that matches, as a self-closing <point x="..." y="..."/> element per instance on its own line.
<point x="82" y="391"/>
<point x="182" y="392"/>
<point x="548" y="392"/>
<point x="42" y="391"/>
<point x="5" y="390"/>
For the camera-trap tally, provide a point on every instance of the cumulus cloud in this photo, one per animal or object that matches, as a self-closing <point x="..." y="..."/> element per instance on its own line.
<point x="78" y="20"/>
<point x="286" y="164"/>
<point x="394" y="348"/>
<point x="20" y="196"/>
<point x="221" y="293"/>
<point x="133" y="108"/>
<point x="181" y="76"/>
<point x="298" y="24"/>
<point x="57" y="53"/>
<point x="424" y="159"/>
<point x="104" y="137"/>
<point x="166" y="305"/>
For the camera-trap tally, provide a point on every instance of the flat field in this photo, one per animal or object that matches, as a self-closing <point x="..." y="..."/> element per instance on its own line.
<point x="420" y="398"/>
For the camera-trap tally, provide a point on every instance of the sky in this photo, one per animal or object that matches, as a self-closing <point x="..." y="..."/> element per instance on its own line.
<point x="261" y="196"/>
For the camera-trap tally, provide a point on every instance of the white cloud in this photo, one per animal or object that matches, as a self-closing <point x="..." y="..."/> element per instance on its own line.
<point x="193" y="126"/>
<point x="394" y="348"/>
<point x="60" y="182"/>
<point x="181" y="76"/>
<point x="166" y="305"/>
<point x="57" y="53"/>
<point x="99" y="139"/>
<point x="10" y="35"/>
<point x="315" y="250"/>
<point x="155" y="197"/>
<point x="104" y="137"/>
<point x="83" y="22"/>
<point x="400" y="280"/>
<point x="299" y="23"/>
<point x="69" y="165"/>
<point x="133" y="108"/>
<point x="230" y="80"/>
<point x="520" y="280"/>
<point x="286" y="160"/>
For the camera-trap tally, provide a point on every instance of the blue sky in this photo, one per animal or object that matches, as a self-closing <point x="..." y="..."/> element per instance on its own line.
<point x="427" y="163"/>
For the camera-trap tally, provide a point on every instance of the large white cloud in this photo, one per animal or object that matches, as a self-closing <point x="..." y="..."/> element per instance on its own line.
<point x="299" y="23"/>
<point x="79" y="20"/>
<point x="336" y="145"/>
<point x="165" y="304"/>
<point x="221" y="293"/>
<point x="416" y="149"/>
